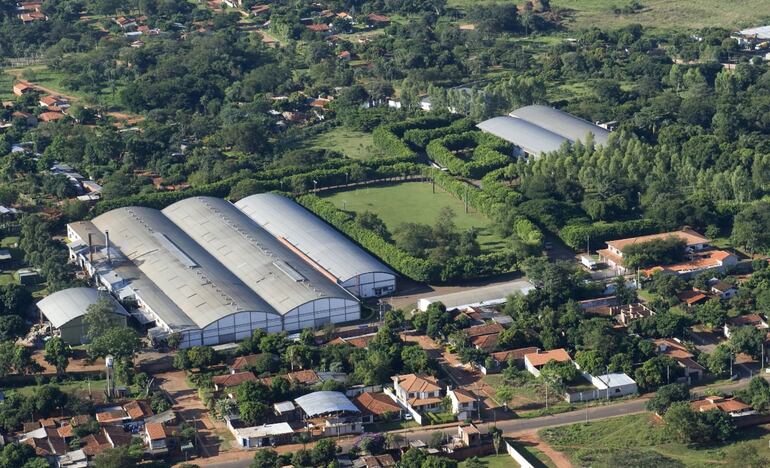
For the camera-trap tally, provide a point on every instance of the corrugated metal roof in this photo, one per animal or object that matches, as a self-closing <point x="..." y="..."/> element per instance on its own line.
<point x="318" y="403"/>
<point x="205" y="293"/>
<point x="561" y="123"/>
<point x="279" y="276"/>
<point x="63" y="306"/>
<point x="526" y="135"/>
<point x="326" y="246"/>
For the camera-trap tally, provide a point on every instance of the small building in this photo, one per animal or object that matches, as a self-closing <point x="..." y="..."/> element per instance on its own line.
<point x="51" y="116"/>
<point x="692" y="297"/>
<point x="724" y="290"/>
<point x="5" y="255"/>
<point x="28" y="276"/>
<point x="330" y="413"/>
<point x="614" y="385"/>
<point x="231" y="381"/>
<point x="464" y="403"/>
<point x="65" y="310"/>
<point x="377" y="407"/>
<point x="674" y="349"/>
<point x="155" y="438"/>
<point x="285" y="409"/>
<point x="748" y="320"/>
<point x="22" y="87"/>
<point x="535" y="361"/>
<point x="627" y="313"/>
<point x="502" y="359"/>
<point x="469" y="434"/>
<point x="266" y="435"/>
<point x="245" y="363"/>
<point x="486" y="343"/>
<point x="613" y="254"/>
<point x="731" y="406"/>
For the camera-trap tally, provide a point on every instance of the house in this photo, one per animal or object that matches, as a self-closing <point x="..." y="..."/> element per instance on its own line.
<point x="374" y="461"/>
<point x="155" y="438"/>
<point x="265" y="435"/>
<point x="285" y="409"/>
<point x="469" y="434"/>
<point x="51" y="116"/>
<point x="330" y="413"/>
<point x="129" y="415"/>
<point x="535" y="361"/>
<point x="486" y="343"/>
<point x="614" y="385"/>
<point x="724" y="290"/>
<point x="613" y="254"/>
<point x="698" y="262"/>
<point x="228" y="381"/>
<point x="674" y="349"/>
<point x="732" y="406"/>
<point x="503" y="359"/>
<point x="483" y="330"/>
<point x="319" y="28"/>
<point x="748" y="320"/>
<point x="53" y="101"/>
<point x="245" y="363"/>
<point x="692" y="297"/>
<point x="377" y="20"/>
<point x="464" y="403"/>
<point x="627" y="313"/>
<point x="418" y="392"/>
<point x="125" y="23"/>
<point x="377" y="407"/>
<point x="28" y="118"/>
<point x="344" y="56"/>
<point x="22" y="87"/>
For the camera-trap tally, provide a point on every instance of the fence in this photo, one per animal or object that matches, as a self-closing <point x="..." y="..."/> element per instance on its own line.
<point x="517" y="456"/>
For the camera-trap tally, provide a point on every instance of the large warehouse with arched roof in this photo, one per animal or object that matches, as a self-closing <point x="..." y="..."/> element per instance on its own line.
<point x="327" y="249"/>
<point x="205" y="270"/>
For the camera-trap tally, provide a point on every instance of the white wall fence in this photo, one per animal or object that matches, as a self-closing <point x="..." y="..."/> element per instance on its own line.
<point x="518" y="457"/>
<point x="391" y="393"/>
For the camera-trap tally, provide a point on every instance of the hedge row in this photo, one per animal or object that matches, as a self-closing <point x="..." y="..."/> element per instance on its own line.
<point x="488" y="204"/>
<point x="390" y="144"/>
<point x="420" y="137"/>
<point x="486" y="154"/>
<point x="409" y="266"/>
<point x="576" y="235"/>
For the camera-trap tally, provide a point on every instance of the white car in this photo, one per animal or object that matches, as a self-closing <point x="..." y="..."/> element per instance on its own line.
<point x="408" y="416"/>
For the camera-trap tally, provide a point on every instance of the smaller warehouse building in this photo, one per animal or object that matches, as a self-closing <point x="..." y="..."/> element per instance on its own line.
<point x="65" y="310"/>
<point x="330" y="413"/>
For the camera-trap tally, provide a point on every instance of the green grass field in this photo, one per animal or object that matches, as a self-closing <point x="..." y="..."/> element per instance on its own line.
<point x="353" y="144"/>
<point x="414" y="202"/>
<point x="79" y="387"/>
<point x="639" y="438"/>
<point x="655" y="13"/>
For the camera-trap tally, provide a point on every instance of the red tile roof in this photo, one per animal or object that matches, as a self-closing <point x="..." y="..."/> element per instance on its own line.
<point x="155" y="431"/>
<point x="318" y="27"/>
<point x="233" y="380"/>
<point x="418" y="383"/>
<point x="541" y="359"/>
<point x="504" y="356"/>
<point x="376" y="403"/>
<point x="464" y="396"/>
<point x="481" y="330"/>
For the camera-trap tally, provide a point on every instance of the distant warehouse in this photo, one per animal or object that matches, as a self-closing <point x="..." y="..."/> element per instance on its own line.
<point x="204" y="269"/>
<point x="326" y="248"/>
<point x="540" y="129"/>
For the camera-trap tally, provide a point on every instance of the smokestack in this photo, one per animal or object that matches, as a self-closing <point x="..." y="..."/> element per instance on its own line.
<point x="107" y="242"/>
<point x="90" y="249"/>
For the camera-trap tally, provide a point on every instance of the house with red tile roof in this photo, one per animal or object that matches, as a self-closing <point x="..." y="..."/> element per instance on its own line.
<point x="377" y="407"/>
<point x="748" y="320"/>
<point x="420" y="392"/>
<point x="731" y="406"/>
<point x="693" y="371"/>
<point x="228" y="381"/>
<point x="535" y="361"/>
<point x="464" y="403"/>
<point x="155" y="437"/>
<point x="22" y="87"/>
<point x="692" y="297"/>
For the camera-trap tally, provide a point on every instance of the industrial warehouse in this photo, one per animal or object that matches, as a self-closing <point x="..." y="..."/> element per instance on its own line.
<point x="540" y="129"/>
<point x="207" y="270"/>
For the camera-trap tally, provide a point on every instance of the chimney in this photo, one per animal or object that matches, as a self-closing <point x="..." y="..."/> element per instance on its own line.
<point x="90" y="249"/>
<point x="107" y="245"/>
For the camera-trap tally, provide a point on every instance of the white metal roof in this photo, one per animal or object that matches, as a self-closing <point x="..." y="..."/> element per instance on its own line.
<point x="264" y="430"/>
<point x="205" y="292"/>
<point x="530" y="137"/>
<point x="318" y="403"/>
<point x="265" y="265"/>
<point x="322" y="243"/>
<point x="615" y="379"/>
<point x="761" y="32"/>
<point x="63" y="306"/>
<point x="561" y="123"/>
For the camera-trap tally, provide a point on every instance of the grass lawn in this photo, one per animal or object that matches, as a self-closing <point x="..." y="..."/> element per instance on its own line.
<point x="638" y="440"/>
<point x="78" y="386"/>
<point x="353" y="144"/>
<point x="504" y="460"/>
<point x="655" y="13"/>
<point x="414" y="202"/>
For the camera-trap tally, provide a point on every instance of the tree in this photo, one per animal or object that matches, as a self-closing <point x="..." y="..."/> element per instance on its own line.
<point x="58" y="354"/>
<point x="497" y="438"/>
<point x="120" y="342"/>
<point x="751" y="227"/>
<point x="202" y="356"/>
<point x="182" y="360"/>
<point x="747" y="340"/>
<point x="757" y="394"/>
<point x="718" y="362"/>
<point x="265" y="459"/>
<point x="100" y="317"/>
<point x="118" y="457"/>
<point x="666" y="396"/>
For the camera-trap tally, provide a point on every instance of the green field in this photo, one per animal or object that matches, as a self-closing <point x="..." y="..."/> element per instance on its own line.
<point x="638" y="440"/>
<point x="414" y="202"/>
<point x="353" y="144"/>
<point x="505" y="461"/>
<point x="671" y="14"/>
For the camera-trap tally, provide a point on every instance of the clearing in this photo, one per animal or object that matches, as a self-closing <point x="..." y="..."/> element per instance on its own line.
<point x="640" y="438"/>
<point x="351" y="143"/>
<point x="415" y="202"/>
<point x="664" y="14"/>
